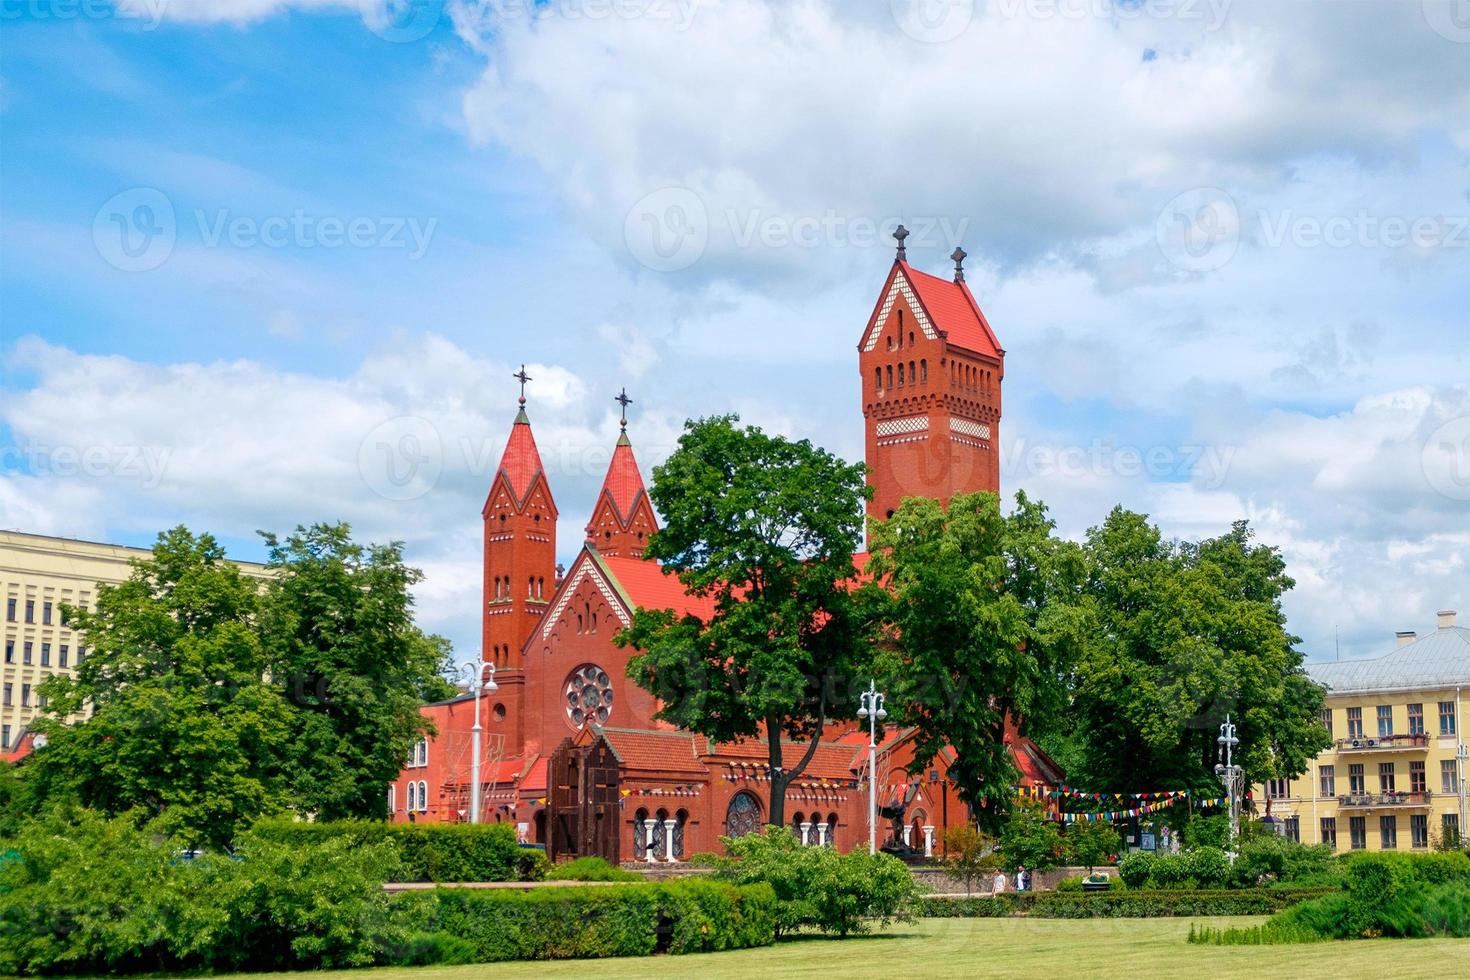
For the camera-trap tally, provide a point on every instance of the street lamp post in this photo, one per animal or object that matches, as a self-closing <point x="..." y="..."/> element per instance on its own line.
<point x="479" y="682"/>
<point x="871" y="708"/>
<point x="1230" y="774"/>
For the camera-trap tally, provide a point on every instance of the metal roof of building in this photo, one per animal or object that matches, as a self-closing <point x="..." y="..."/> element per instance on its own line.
<point x="1435" y="661"/>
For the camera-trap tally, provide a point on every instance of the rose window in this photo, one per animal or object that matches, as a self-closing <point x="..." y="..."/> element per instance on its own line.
<point x="589" y="696"/>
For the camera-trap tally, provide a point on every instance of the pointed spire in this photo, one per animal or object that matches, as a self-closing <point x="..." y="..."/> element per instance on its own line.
<point x="899" y="234"/>
<point x="959" y="263"/>
<point x="521" y="461"/>
<point x="622" y="518"/>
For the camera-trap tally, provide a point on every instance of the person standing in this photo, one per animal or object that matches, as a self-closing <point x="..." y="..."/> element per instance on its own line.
<point x="999" y="887"/>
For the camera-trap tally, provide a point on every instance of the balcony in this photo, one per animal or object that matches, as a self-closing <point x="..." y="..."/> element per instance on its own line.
<point x="1382" y="743"/>
<point x="1385" y="801"/>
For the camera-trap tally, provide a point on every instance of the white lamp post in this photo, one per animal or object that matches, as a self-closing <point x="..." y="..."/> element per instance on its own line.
<point x="1230" y="773"/>
<point x="871" y="708"/>
<point x="479" y="682"/>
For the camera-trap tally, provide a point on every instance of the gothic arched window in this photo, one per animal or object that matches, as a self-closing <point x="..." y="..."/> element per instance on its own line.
<point x="924" y="371"/>
<point x="900" y="374"/>
<point x="890" y="375"/>
<point x="743" y="816"/>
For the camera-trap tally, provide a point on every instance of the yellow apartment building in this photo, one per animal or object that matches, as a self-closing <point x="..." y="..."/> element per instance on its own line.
<point x="38" y="574"/>
<point x="1394" y="777"/>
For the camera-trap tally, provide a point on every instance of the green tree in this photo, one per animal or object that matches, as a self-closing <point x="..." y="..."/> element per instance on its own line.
<point x="969" y="854"/>
<point x="182" y="723"/>
<point x="1091" y="843"/>
<point x="981" y="610"/>
<point x="1184" y="633"/>
<point x="1030" y="839"/>
<point x="765" y="528"/>
<point x="343" y="649"/>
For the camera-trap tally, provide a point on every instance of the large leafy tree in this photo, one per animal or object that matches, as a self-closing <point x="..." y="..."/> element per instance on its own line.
<point x="183" y="724"/>
<point x="766" y="528"/>
<point x="1186" y="632"/>
<point x="342" y="647"/>
<point x="982" y="619"/>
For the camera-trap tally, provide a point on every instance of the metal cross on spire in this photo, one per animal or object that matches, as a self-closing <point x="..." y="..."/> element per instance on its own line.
<point x="623" y="400"/>
<point x="900" y="233"/>
<point x="959" y="263"/>
<point x="522" y="377"/>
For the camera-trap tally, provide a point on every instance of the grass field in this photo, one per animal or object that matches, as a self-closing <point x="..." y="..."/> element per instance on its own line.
<point x="1038" y="949"/>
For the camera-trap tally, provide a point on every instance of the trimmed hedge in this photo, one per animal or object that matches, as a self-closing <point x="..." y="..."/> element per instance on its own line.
<point x="1120" y="905"/>
<point x="684" y="916"/>
<point x="437" y="852"/>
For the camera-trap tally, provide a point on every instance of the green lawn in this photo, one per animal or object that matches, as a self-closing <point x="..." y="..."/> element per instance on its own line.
<point x="1037" y="949"/>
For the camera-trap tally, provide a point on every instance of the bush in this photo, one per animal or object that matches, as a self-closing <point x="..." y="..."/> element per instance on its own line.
<point x="438" y="852"/>
<point x="1208" y="867"/>
<point x="688" y="916"/>
<point x="1266" y="857"/>
<point x="92" y="895"/>
<point x="1135" y="869"/>
<point x="1171" y="871"/>
<point x="1067" y="885"/>
<point x="591" y="869"/>
<point x="1118" y="905"/>
<point x="816" y="886"/>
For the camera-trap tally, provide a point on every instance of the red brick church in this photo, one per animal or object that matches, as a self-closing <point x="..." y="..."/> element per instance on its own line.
<point x="572" y="753"/>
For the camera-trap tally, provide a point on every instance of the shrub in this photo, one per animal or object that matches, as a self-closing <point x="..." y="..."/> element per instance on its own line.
<point x="591" y="869"/>
<point x="1383" y="906"/>
<point x="688" y="916"/>
<point x="1267" y="857"/>
<point x="442" y="852"/>
<point x="816" y="886"/>
<point x="1135" y="869"/>
<point x="1208" y="866"/>
<point x="1073" y="884"/>
<point x="1121" y="905"/>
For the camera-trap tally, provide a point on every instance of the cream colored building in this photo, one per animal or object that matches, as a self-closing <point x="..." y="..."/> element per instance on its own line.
<point x="1394" y="778"/>
<point x="37" y="575"/>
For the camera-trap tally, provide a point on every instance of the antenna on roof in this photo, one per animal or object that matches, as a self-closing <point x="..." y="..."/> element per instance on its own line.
<point x="900" y="233"/>
<point x="959" y="263"/>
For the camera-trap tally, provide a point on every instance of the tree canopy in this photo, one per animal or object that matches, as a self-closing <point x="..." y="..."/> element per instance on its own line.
<point x="766" y="528"/>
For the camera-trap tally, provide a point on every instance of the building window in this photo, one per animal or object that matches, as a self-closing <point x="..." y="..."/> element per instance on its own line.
<point x="1417" y="782"/>
<point x="1416" y="719"/>
<point x="1356" y="784"/>
<point x="62" y="658"/>
<point x="1419" y="830"/>
<point x="1388" y="832"/>
<point x="423" y="797"/>
<point x="45" y="655"/>
<point x="1448" y="776"/>
<point x="10" y="651"/>
<point x="923" y="372"/>
<point x="1328" y="777"/>
<point x="9" y="689"/>
<point x="900" y="374"/>
<point x="391" y="802"/>
<point x="412" y="796"/>
<point x="25" y="652"/>
<point x="1278" y="789"/>
<point x="1329" y="832"/>
<point x="4" y="736"/>
<point x="1385" y="777"/>
<point x="1385" y="720"/>
<point x="30" y="610"/>
<point x="25" y="695"/>
<point x="10" y="610"/>
<point x="46" y="613"/>
<point x="1327" y="721"/>
<point x="1355" y="722"/>
<point x="1294" y="829"/>
<point x="81" y="652"/>
<point x="743" y="815"/>
<point x="1447" y="717"/>
<point x="1358" y="830"/>
<point x="1451" y="831"/>
<point x="890" y="375"/>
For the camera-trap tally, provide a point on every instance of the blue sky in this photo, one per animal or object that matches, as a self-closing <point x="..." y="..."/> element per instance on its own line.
<point x="245" y="242"/>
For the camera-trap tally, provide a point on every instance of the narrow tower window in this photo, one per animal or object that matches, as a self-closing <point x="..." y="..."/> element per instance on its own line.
<point x="900" y="374"/>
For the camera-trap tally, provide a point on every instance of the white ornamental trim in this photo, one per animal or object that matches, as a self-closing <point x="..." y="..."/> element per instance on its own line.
<point x="900" y="287"/>
<point x="979" y="430"/>
<point x="897" y="427"/>
<point x="587" y="569"/>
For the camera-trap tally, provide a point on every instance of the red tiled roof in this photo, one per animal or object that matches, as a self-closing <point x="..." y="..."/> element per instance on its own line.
<point x="641" y="748"/>
<point x="831" y="760"/>
<point x="647" y="586"/>
<point x="506" y="771"/>
<point x="623" y="482"/>
<point x="520" y="462"/>
<point x="954" y="310"/>
<point x="535" y="779"/>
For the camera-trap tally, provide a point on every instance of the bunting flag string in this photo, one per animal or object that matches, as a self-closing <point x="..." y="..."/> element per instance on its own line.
<point x="1068" y="792"/>
<point x="688" y="789"/>
<point x="1138" y="811"/>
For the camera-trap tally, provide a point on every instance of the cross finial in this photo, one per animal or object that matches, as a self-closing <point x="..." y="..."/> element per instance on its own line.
<point x="522" y="377"/>
<point x="900" y="233"/>
<point x="624" y="401"/>
<point x="959" y="263"/>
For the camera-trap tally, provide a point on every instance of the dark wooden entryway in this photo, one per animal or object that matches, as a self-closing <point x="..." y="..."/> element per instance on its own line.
<point x="584" y="810"/>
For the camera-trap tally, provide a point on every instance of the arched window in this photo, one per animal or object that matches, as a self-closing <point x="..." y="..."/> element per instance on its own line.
<point x="743" y="816"/>
<point x="641" y="833"/>
<point x="660" y="835"/>
<point x="890" y="375"/>
<point x="900" y="374"/>
<point x="924" y="372"/>
<point x="423" y="797"/>
<point x="831" y="830"/>
<point x="913" y="375"/>
<point x="796" y="819"/>
<point x="412" y="796"/>
<point x="878" y="378"/>
<point x="680" y="819"/>
<point x="911" y="338"/>
<point x="890" y="343"/>
<point x="391" y="801"/>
